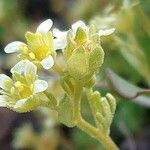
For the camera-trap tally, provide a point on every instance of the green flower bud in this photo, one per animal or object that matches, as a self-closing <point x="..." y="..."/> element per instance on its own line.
<point x="83" y="54"/>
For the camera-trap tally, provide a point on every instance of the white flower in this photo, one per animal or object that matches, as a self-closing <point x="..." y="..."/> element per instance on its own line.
<point x="39" y="47"/>
<point x="19" y="92"/>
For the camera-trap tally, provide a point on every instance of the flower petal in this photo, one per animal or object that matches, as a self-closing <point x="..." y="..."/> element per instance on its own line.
<point x="13" y="47"/>
<point x="78" y="24"/>
<point x="57" y="33"/>
<point x="45" y="26"/>
<point x="60" y="40"/>
<point x="106" y="32"/>
<point x="3" y="100"/>
<point x="59" y="43"/>
<point x="25" y="67"/>
<point x="20" y="103"/>
<point x="40" y="86"/>
<point x="48" y="62"/>
<point x="3" y="79"/>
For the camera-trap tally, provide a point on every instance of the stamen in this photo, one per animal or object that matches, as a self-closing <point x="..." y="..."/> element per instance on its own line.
<point x="12" y="91"/>
<point x="20" y="88"/>
<point x="18" y="84"/>
<point x="7" y="82"/>
<point x="31" y="87"/>
<point x="32" y="55"/>
<point x="25" y="50"/>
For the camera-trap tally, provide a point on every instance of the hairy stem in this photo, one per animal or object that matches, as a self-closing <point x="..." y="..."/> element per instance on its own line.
<point x="106" y="141"/>
<point x="77" y="101"/>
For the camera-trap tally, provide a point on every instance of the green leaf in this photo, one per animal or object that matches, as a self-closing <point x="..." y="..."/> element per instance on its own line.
<point x="103" y="109"/>
<point x="95" y="99"/>
<point x="128" y="90"/>
<point x="65" y="112"/>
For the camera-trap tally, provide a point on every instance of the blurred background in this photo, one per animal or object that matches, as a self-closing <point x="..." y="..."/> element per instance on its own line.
<point x="127" y="53"/>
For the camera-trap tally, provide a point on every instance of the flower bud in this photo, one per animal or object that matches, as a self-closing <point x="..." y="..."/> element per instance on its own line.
<point x="83" y="54"/>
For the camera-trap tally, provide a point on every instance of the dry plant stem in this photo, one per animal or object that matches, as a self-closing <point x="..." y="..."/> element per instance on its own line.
<point x="106" y="141"/>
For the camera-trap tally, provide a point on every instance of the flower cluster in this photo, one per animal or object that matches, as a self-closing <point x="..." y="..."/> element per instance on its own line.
<point x="83" y="55"/>
<point x="81" y="50"/>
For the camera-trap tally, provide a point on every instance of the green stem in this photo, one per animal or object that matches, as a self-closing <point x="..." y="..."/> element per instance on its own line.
<point x="106" y="141"/>
<point x="77" y="101"/>
<point x="85" y="126"/>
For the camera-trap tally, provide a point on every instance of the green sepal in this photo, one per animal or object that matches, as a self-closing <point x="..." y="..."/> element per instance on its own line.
<point x="80" y="36"/>
<point x="32" y="103"/>
<point x="65" y="111"/>
<point x="95" y="39"/>
<point x="67" y="84"/>
<point x="96" y="59"/>
<point x="71" y="46"/>
<point x="89" y="84"/>
<point x="49" y="100"/>
<point x="92" y="30"/>
<point x="78" y="64"/>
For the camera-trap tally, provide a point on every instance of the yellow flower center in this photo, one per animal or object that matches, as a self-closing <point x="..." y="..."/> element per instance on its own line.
<point x="22" y="90"/>
<point x="32" y="55"/>
<point x="24" y="49"/>
<point x="39" y="45"/>
<point x="41" y="52"/>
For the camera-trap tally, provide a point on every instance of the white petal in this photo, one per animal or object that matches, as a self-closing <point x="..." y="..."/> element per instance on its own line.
<point x="45" y="26"/>
<point x="59" y="43"/>
<point x="78" y="24"/>
<point x="57" y="33"/>
<point x="60" y="40"/>
<point x="20" y="103"/>
<point x="25" y="67"/>
<point x="3" y="78"/>
<point x="3" y="100"/>
<point x="40" y="86"/>
<point x="106" y="32"/>
<point x="13" y="47"/>
<point x="48" y="62"/>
